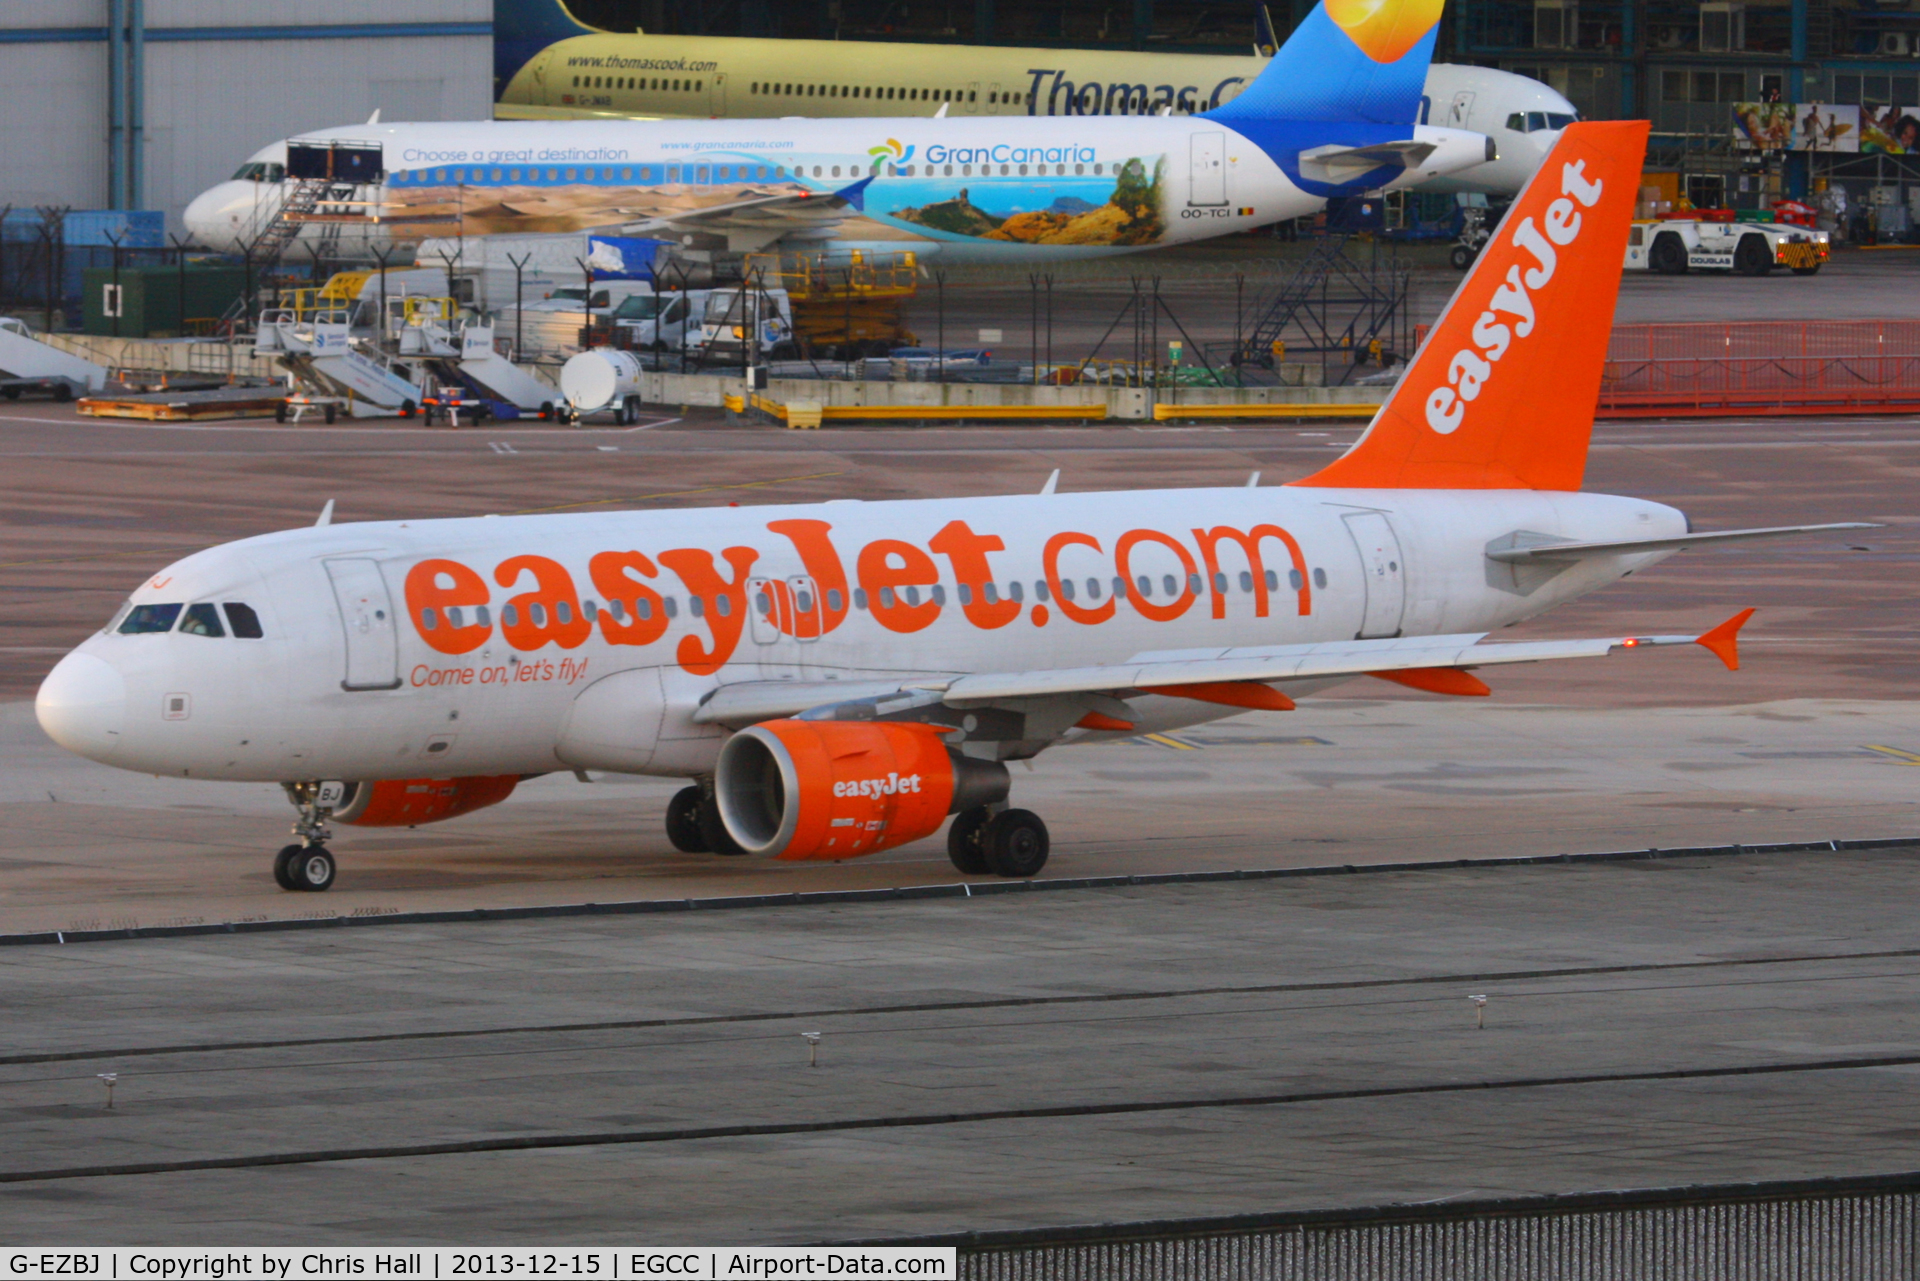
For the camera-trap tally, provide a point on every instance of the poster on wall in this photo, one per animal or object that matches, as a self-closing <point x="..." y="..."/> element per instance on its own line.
<point x="1892" y="131"/>
<point x="1819" y="126"/>
<point x="1762" y="126"/>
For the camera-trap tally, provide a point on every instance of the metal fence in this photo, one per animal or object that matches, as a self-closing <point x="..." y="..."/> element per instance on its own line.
<point x="1819" y="1230"/>
<point x="1760" y="367"/>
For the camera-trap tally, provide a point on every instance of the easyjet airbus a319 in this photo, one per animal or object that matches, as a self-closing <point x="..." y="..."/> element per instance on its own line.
<point x="838" y="679"/>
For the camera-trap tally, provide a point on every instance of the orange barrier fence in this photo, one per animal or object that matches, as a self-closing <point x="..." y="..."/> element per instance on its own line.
<point x="1762" y="367"/>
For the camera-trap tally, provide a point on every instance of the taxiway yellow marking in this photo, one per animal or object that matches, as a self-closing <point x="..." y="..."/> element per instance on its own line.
<point x="1168" y="740"/>
<point x="682" y="493"/>
<point x="1899" y="754"/>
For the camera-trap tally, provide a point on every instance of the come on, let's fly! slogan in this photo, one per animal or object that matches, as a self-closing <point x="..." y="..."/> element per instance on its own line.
<point x="707" y="1263"/>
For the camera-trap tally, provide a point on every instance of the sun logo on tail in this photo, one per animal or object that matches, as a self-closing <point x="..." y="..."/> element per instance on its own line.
<point x="892" y="151"/>
<point x="1385" y="29"/>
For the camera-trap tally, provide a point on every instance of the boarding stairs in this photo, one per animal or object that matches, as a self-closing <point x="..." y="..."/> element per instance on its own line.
<point x="26" y="361"/>
<point x="320" y="351"/>
<point x="1335" y="306"/>
<point x="303" y="197"/>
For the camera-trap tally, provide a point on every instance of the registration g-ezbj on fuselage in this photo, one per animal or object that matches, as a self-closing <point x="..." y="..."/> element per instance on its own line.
<point x="1332" y="114"/>
<point x="838" y="678"/>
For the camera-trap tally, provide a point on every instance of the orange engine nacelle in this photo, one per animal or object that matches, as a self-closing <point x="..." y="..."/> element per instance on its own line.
<point x="836" y="789"/>
<point x="409" y="802"/>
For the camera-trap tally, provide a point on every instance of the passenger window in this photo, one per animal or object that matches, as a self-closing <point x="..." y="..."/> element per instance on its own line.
<point x="833" y="600"/>
<point x="1145" y="585"/>
<point x="1093" y="589"/>
<point x="764" y="603"/>
<point x="642" y="608"/>
<point x="991" y="592"/>
<point x="725" y="605"/>
<point x="202" y="620"/>
<point x="966" y="593"/>
<point x="913" y="595"/>
<point x="618" y="609"/>
<point x="509" y="616"/>
<point x="1040" y="589"/>
<point x="1319" y="578"/>
<point x="939" y="594"/>
<point x="482" y="616"/>
<point x="563" y="612"/>
<point x="149" y="618"/>
<point x="860" y="598"/>
<point x="697" y="606"/>
<point x="886" y="598"/>
<point x="589" y="610"/>
<point x="537" y="614"/>
<point x="1119" y="586"/>
<point x="1246" y="581"/>
<point x="429" y="620"/>
<point x="1193" y="583"/>
<point x="1014" y="593"/>
<point x="672" y="607"/>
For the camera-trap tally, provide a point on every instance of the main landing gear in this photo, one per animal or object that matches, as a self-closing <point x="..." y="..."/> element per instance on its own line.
<point x="1010" y="843"/>
<point x="693" y="822"/>
<point x="307" y="865"/>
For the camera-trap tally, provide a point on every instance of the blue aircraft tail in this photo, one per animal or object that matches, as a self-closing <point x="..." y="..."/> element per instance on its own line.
<point x="522" y="28"/>
<point x="1350" y="61"/>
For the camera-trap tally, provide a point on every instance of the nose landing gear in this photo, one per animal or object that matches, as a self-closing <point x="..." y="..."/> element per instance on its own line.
<point x="307" y="865"/>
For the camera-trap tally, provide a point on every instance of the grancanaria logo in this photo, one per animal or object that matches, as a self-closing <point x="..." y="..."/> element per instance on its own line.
<point x="1385" y="29"/>
<point x="892" y="151"/>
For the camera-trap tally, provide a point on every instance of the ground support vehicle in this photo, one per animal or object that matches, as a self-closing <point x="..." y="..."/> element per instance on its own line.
<point x="842" y="308"/>
<point x="1674" y="246"/>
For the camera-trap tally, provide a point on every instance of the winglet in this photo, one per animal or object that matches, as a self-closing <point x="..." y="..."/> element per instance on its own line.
<point x="856" y="195"/>
<point x="326" y="514"/>
<point x="1723" y="640"/>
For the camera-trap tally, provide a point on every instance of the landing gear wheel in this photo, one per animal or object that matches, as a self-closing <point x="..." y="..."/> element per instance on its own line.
<point x="963" y="841"/>
<point x="280" y="412"/>
<point x="311" y="869"/>
<point x="1461" y="257"/>
<point x="332" y="412"/>
<point x="1668" y="256"/>
<point x="1752" y="256"/>
<point x="546" y="410"/>
<point x="683" y="822"/>
<point x="408" y="409"/>
<point x="713" y="831"/>
<point x="283" y="866"/>
<point x="1015" y="842"/>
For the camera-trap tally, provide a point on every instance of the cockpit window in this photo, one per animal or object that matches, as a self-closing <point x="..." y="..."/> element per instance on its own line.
<point x="149" y="618"/>
<point x="202" y="620"/>
<point x="243" y="621"/>
<point x="118" y="614"/>
<point x="259" y="171"/>
<point x="1536" y="121"/>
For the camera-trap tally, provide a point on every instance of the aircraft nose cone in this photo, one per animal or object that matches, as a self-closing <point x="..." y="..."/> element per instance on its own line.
<point x="82" y="705"/>
<point x="213" y="217"/>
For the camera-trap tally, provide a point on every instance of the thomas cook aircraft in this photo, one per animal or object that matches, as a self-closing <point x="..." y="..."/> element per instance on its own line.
<point x="550" y="66"/>
<point x="838" y="679"/>
<point x="1332" y="114"/>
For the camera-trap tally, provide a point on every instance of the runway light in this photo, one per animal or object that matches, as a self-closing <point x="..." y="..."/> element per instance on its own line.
<point x="813" y="1048"/>
<point x="1479" y="1011"/>
<point x="107" y="1079"/>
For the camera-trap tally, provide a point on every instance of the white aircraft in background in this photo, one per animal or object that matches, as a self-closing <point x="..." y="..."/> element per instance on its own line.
<point x="550" y="66"/>
<point x="1331" y="114"/>
<point x="838" y="678"/>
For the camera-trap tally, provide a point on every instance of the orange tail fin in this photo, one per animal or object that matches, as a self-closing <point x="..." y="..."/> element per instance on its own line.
<point x="1502" y="394"/>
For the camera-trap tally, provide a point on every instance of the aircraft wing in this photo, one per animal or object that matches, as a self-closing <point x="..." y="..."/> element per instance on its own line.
<point x="1553" y="551"/>
<point x="1166" y="672"/>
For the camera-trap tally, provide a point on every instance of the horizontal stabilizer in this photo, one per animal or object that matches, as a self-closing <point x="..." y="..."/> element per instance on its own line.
<point x="1577" y="551"/>
<point x="1338" y="164"/>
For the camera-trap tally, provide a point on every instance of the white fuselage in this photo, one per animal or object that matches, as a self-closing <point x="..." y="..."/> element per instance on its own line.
<point x="346" y="680"/>
<point x="976" y="188"/>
